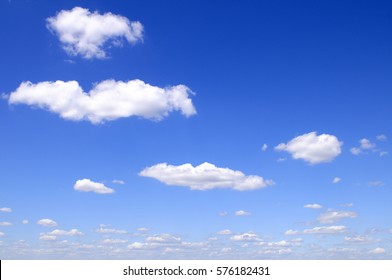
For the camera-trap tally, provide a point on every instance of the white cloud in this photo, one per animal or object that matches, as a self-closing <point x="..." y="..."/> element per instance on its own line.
<point x="5" y="224"/>
<point x="2" y="234"/>
<point x="206" y="176"/>
<point x="381" y="137"/>
<point x="366" y="144"/>
<point x="119" y="182"/>
<point x="313" y="206"/>
<point x="6" y="209"/>
<point x="331" y="217"/>
<point x="355" y="151"/>
<point x="86" y="185"/>
<point x="59" y="232"/>
<point x="291" y="232"/>
<point x="47" y="223"/>
<point x="248" y="236"/>
<point x="378" y="250"/>
<point x="114" y="241"/>
<point x="325" y="230"/>
<point x="86" y="34"/>
<point x="163" y="238"/>
<point x="312" y="148"/>
<point x="242" y="213"/>
<point x="347" y="205"/>
<point x="137" y="245"/>
<point x="376" y="183"/>
<point x="357" y="239"/>
<point x="25" y="222"/>
<point x="336" y="180"/>
<point x="46" y="237"/>
<point x="383" y="153"/>
<point x="265" y="147"/>
<point x="111" y="230"/>
<point x="225" y="232"/>
<point x="142" y="229"/>
<point x="106" y="101"/>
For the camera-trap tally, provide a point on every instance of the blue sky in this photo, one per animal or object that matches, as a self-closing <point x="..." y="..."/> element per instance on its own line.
<point x="195" y="130"/>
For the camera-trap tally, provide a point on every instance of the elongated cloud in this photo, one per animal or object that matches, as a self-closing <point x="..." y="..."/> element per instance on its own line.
<point x="331" y="217"/>
<point x="47" y="223"/>
<point x="206" y="176"/>
<point x="106" y="101"/>
<point x="86" y="34"/>
<point x="72" y="232"/>
<point x="313" y="148"/>
<point x="6" y="209"/>
<point x="313" y="206"/>
<point x="86" y="185"/>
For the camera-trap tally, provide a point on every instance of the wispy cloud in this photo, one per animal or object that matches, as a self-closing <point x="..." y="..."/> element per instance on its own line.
<point x="313" y="206"/>
<point x="331" y="217"/>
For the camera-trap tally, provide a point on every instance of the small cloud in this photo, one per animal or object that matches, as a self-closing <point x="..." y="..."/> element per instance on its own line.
<point x="383" y="153"/>
<point x="86" y="185"/>
<point x="225" y="232"/>
<point x="326" y="230"/>
<point x="114" y="241"/>
<point x="47" y="223"/>
<point x="59" y="232"/>
<point x="163" y="238"/>
<point x="2" y="234"/>
<point x="5" y="224"/>
<point x="46" y="237"/>
<point x="336" y="180"/>
<point x="142" y="229"/>
<point x="248" y="236"/>
<point x="119" y="182"/>
<point x="291" y="232"/>
<point x="137" y="245"/>
<point x="382" y="137"/>
<point x="25" y="222"/>
<point x="331" y="217"/>
<point x="357" y="239"/>
<point x="355" y="151"/>
<point x="347" y="205"/>
<point x="376" y="183"/>
<point x="281" y="159"/>
<point x="313" y="206"/>
<point x="6" y="209"/>
<point x="265" y="147"/>
<point x="378" y="250"/>
<point x="366" y="144"/>
<point x="242" y="213"/>
<point x="111" y="230"/>
<point x="312" y="148"/>
<point x="223" y="213"/>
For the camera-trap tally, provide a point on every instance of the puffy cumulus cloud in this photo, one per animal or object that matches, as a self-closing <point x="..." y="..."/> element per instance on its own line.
<point x="86" y="185"/>
<point x="326" y="230"/>
<point x="313" y="206"/>
<point x="242" y="213"/>
<point x="248" y="236"/>
<point x="225" y="232"/>
<point x="378" y="250"/>
<point x="366" y="144"/>
<point x="206" y="176"/>
<point x="106" y="101"/>
<point x="60" y="232"/>
<point x="6" y="209"/>
<point x="355" y="151"/>
<point x="331" y="217"/>
<point x="137" y="245"/>
<point x="47" y="223"/>
<point x="84" y="33"/>
<point x="336" y="180"/>
<point x="5" y="224"/>
<point x="312" y="148"/>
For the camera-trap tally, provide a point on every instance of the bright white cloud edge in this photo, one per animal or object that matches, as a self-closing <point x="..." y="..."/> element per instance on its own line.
<point x="86" y="185"/>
